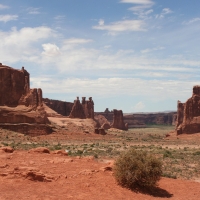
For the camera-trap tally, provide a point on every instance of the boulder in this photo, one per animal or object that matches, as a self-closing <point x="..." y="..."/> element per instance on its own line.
<point x="102" y="131"/>
<point x="96" y="130"/>
<point x="101" y="119"/>
<point x="7" y="149"/>
<point x="106" y="126"/>
<point x="40" y="150"/>
<point x="60" y="152"/>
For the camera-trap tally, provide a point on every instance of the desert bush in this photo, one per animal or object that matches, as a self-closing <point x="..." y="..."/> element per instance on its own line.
<point x="133" y="169"/>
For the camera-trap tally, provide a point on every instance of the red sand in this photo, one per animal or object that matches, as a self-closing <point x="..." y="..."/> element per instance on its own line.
<point x="31" y="175"/>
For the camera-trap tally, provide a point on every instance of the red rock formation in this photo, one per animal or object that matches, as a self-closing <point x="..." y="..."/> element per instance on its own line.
<point x="18" y="103"/>
<point x="82" y="110"/>
<point x="14" y="84"/>
<point x="77" y="110"/>
<point x="101" y="119"/>
<point x="61" y="107"/>
<point x="100" y="131"/>
<point x="143" y="119"/>
<point x="118" y="120"/>
<point x="88" y="107"/>
<point x="189" y="113"/>
<point x="174" y="119"/>
<point x="106" y="126"/>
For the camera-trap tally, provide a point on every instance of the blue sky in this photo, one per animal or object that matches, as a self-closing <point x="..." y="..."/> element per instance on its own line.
<point x="134" y="55"/>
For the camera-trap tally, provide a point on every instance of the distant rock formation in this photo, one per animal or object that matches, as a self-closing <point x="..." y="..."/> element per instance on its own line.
<point x="143" y="119"/>
<point x="77" y="110"/>
<point x="82" y="110"/>
<point x="102" y="121"/>
<point x="174" y="119"/>
<point x="118" y="120"/>
<point x="61" y="107"/>
<point x="19" y="103"/>
<point x="88" y="107"/>
<point x="188" y="113"/>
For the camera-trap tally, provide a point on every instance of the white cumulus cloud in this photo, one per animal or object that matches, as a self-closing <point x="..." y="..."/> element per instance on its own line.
<point x="101" y="22"/>
<point x="6" y="18"/>
<point x="139" y="106"/>
<point x="137" y="1"/>
<point x="197" y="19"/>
<point x="33" y="11"/>
<point x="121" y="26"/>
<point x="22" y="43"/>
<point x="165" y="11"/>
<point x="50" y="49"/>
<point x="3" y="7"/>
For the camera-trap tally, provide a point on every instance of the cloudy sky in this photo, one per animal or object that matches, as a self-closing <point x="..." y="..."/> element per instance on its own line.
<point x="134" y="55"/>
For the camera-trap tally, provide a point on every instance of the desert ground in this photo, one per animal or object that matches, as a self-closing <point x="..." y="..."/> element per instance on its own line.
<point x="79" y="163"/>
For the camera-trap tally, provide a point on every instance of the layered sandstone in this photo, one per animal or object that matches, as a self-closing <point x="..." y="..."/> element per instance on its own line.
<point x="14" y="84"/>
<point x="188" y="113"/>
<point x="118" y="120"/>
<point x="18" y="103"/>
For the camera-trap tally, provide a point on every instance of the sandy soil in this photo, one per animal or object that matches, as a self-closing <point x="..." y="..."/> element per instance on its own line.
<point x="45" y="176"/>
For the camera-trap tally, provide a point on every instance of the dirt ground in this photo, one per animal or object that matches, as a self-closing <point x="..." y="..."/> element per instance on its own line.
<point x="26" y="174"/>
<point x="45" y="176"/>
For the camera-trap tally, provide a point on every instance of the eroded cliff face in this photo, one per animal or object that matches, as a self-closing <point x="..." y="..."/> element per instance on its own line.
<point x="118" y="120"/>
<point x="189" y="113"/>
<point x="14" y="84"/>
<point x="82" y="110"/>
<point x="19" y="103"/>
<point x="61" y="107"/>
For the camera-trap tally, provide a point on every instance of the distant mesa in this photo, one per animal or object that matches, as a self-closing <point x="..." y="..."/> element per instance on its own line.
<point x="188" y="113"/>
<point x="141" y="120"/>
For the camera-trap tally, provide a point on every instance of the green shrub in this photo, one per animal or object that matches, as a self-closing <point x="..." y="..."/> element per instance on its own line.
<point x="134" y="169"/>
<point x="168" y="154"/>
<point x="197" y="153"/>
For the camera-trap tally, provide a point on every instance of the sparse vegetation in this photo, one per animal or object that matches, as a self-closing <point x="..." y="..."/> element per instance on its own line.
<point x="181" y="158"/>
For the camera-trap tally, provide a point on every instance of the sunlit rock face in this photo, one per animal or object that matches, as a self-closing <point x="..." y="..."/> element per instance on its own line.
<point x="14" y="83"/>
<point x="18" y="103"/>
<point x="188" y="113"/>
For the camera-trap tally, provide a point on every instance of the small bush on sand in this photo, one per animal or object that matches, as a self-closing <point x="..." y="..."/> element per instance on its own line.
<point x="133" y="169"/>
